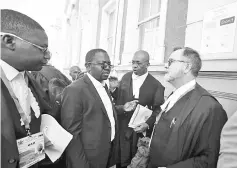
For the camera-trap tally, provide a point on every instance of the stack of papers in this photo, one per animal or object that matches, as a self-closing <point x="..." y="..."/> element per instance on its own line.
<point x="140" y="115"/>
<point x="56" y="138"/>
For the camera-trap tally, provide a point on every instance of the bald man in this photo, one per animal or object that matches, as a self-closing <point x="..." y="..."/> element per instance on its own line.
<point x="141" y="86"/>
<point x="75" y="73"/>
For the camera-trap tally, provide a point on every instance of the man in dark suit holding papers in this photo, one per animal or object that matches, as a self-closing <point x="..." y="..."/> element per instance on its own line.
<point x="136" y="86"/>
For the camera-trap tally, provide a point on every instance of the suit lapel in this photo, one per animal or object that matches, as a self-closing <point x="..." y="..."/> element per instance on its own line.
<point x="144" y="86"/>
<point x="114" y="110"/>
<point x="10" y="118"/>
<point x="130" y="88"/>
<point x="188" y="107"/>
<point x="95" y="94"/>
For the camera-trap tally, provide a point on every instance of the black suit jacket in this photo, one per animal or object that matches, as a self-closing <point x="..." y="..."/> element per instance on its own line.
<point x="151" y="95"/>
<point x="43" y="78"/>
<point x="194" y="140"/>
<point x="84" y="116"/>
<point x="11" y="129"/>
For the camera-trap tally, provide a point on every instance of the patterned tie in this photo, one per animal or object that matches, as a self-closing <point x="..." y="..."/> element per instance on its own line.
<point x="108" y="92"/>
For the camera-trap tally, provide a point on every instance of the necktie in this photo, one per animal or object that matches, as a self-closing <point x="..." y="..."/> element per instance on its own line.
<point x="107" y="91"/>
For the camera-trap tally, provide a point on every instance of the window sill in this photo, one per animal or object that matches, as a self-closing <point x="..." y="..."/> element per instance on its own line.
<point x="152" y="68"/>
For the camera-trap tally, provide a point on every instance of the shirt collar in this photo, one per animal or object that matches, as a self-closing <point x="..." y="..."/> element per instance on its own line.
<point x="134" y="76"/>
<point x="95" y="82"/>
<point x="186" y="87"/>
<point x="10" y="71"/>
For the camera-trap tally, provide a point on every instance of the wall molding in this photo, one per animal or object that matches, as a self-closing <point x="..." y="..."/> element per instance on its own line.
<point x="218" y="75"/>
<point x="224" y="95"/>
<point x="202" y="74"/>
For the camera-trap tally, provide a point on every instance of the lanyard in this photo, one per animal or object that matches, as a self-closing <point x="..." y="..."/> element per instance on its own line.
<point x="16" y="101"/>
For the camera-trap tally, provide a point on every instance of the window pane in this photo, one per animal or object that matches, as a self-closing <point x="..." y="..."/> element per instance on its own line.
<point x="110" y="45"/>
<point x="149" y="37"/>
<point x="110" y="37"/>
<point x="155" y="7"/>
<point x="148" y="8"/>
<point x="111" y="23"/>
<point x="144" y="9"/>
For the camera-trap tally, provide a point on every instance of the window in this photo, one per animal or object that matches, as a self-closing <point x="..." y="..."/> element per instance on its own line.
<point x="149" y="27"/>
<point x="110" y="38"/>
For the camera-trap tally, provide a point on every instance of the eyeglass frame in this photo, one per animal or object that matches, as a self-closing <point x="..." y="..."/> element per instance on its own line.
<point x="45" y="50"/>
<point x="170" y="61"/>
<point x="102" y="64"/>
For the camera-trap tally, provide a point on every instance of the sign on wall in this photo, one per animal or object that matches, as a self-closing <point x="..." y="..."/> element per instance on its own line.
<point x="219" y="29"/>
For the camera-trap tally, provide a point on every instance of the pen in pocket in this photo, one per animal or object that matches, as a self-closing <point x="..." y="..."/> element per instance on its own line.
<point x="173" y="122"/>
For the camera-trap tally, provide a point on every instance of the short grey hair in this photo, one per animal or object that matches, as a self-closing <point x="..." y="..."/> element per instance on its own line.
<point x="194" y="58"/>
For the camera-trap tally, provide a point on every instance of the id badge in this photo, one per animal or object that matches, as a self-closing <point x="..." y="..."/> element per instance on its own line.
<point x="31" y="149"/>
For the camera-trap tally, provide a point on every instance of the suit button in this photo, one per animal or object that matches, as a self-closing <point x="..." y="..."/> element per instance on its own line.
<point x="12" y="161"/>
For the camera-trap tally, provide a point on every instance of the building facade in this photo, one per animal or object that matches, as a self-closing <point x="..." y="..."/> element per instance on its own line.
<point x="124" y="26"/>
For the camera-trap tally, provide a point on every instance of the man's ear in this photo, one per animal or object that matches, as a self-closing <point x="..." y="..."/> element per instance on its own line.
<point x="9" y="42"/>
<point x="147" y="65"/>
<point x="88" y="67"/>
<point x="188" y="68"/>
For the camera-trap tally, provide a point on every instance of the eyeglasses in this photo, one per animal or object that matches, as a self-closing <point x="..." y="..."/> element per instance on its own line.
<point x="103" y="65"/>
<point x="138" y="63"/>
<point x="45" y="50"/>
<point x="170" y="61"/>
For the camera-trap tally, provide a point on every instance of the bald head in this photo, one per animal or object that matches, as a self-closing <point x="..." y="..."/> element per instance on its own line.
<point x="142" y="55"/>
<point x="75" y="68"/>
<point x="75" y="72"/>
<point x="140" y="62"/>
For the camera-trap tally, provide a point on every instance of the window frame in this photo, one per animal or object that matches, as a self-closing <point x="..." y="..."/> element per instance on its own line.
<point x="147" y="20"/>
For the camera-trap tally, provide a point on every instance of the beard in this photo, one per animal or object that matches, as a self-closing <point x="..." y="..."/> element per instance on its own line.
<point x="171" y="76"/>
<point x="168" y="78"/>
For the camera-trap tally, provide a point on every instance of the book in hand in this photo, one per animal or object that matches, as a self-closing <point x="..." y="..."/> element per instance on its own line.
<point x="140" y="115"/>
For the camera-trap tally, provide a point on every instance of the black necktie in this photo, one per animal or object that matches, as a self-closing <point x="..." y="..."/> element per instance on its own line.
<point x="107" y="91"/>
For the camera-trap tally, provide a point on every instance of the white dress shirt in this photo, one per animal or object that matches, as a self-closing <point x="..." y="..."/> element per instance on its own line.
<point x="20" y="88"/>
<point x="106" y="101"/>
<point x="137" y="82"/>
<point x="180" y="92"/>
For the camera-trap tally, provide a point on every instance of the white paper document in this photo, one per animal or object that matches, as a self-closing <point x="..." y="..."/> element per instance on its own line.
<point x="140" y="115"/>
<point x="56" y="138"/>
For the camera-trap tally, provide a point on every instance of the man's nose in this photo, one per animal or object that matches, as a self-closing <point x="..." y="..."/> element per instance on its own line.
<point x="134" y="65"/>
<point x="48" y="55"/>
<point x="166" y="66"/>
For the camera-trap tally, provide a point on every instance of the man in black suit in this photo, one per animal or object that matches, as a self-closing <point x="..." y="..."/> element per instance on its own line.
<point x="88" y="114"/>
<point x="24" y="47"/>
<point x="43" y="78"/>
<point x="136" y="86"/>
<point x="187" y="132"/>
<point x="47" y="73"/>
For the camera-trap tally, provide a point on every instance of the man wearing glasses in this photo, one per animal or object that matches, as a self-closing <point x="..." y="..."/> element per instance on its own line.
<point x="24" y="47"/>
<point x="88" y="114"/>
<point x="187" y="132"/>
<point x="137" y="86"/>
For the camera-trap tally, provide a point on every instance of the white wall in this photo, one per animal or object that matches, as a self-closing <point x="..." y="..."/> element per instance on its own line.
<point x="196" y="11"/>
<point x="221" y="81"/>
